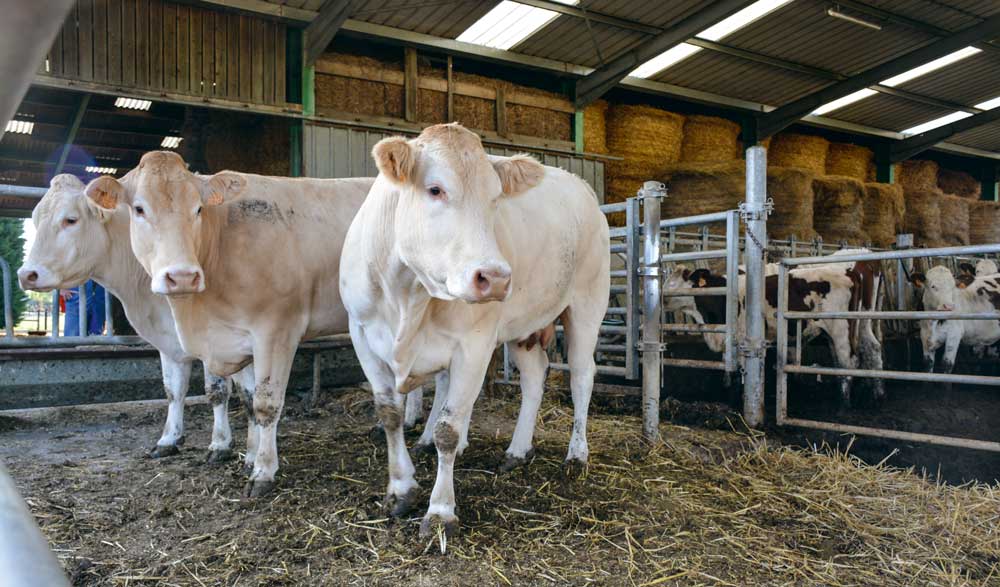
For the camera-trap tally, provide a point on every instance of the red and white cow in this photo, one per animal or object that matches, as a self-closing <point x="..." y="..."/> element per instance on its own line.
<point x="452" y="253"/>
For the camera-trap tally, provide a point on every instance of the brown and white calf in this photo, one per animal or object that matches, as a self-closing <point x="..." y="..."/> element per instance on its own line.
<point x="249" y="265"/>
<point x="831" y="287"/>
<point x="452" y="253"/>
<point x="75" y="240"/>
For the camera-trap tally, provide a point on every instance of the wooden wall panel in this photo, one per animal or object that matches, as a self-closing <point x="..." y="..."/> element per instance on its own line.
<point x="176" y="47"/>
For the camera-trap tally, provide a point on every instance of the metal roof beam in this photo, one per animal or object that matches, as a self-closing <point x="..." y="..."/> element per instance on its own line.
<point x="910" y="23"/>
<point x="786" y="115"/>
<point x="71" y="134"/>
<point x="909" y="147"/>
<point x="324" y="27"/>
<point x="607" y="76"/>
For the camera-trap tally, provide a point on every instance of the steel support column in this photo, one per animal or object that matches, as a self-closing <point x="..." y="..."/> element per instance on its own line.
<point x="755" y="211"/>
<point x="652" y="308"/>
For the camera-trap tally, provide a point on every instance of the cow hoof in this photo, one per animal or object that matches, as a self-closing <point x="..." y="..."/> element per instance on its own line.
<point x="217" y="457"/>
<point x="259" y="488"/>
<point x="430" y="523"/>
<point x="574" y="468"/>
<point x="164" y="450"/>
<point x="400" y="506"/>
<point x="424" y="449"/>
<point x="376" y="433"/>
<point x="247" y="469"/>
<point x="512" y="462"/>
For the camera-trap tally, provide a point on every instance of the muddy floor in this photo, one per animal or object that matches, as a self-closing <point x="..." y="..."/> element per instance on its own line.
<point x="708" y="507"/>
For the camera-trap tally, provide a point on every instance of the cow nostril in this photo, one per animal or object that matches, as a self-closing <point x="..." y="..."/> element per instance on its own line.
<point x="32" y="277"/>
<point x="170" y="280"/>
<point x="482" y="282"/>
<point x="195" y="280"/>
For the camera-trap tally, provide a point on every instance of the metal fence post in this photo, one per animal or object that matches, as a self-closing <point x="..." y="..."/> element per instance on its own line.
<point x="781" y="352"/>
<point x="652" y="305"/>
<point x="24" y="552"/>
<point x="55" y="313"/>
<point x="732" y="289"/>
<point x="109" y="323"/>
<point x="633" y="240"/>
<point x="755" y="211"/>
<point x="83" y="309"/>
<point x="8" y="305"/>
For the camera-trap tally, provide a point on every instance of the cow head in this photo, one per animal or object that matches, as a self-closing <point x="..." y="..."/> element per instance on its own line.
<point x="449" y="192"/>
<point x="165" y="203"/>
<point x="70" y="238"/>
<point x="938" y="287"/>
<point x="986" y="267"/>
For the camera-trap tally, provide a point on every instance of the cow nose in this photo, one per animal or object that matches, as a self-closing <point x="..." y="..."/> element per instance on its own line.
<point x="491" y="282"/>
<point x="28" y="277"/>
<point x="179" y="280"/>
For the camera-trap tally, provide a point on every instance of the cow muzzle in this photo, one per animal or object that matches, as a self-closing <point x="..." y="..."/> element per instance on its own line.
<point x="488" y="283"/>
<point x="179" y="280"/>
<point x="36" y="278"/>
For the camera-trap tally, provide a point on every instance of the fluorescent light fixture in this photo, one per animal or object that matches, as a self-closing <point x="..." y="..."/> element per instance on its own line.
<point x="101" y="170"/>
<point x="989" y="104"/>
<point x="932" y="124"/>
<point x="21" y="127"/>
<point x="715" y="32"/>
<point x="132" y="103"/>
<point x="509" y="23"/>
<point x="842" y="16"/>
<point x="899" y="79"/>
<point x="171" y="142"/>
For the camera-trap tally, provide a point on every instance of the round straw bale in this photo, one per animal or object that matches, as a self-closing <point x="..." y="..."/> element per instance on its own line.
<point x="838" y="210"/>
<point x="648" y="139"/>
<point x="791" y="190"/>
<point x="709" y="138"/>
<point x="595" y="138"/>
<point x="917" y="175"/>
<point x="984" y="222"/>
<point x="954" y="220"/>
<point x="795" y="150"/>
<point x="959" y="183"/>
<point x="923" y="215"/>
<point x="850" y="160"/>
<point x="884" y="211"/>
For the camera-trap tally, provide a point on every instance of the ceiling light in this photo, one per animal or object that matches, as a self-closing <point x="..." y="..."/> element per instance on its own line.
<point x="20" y="126"/>
<point x="171" y="142"/>
<point x="838" y="14"/>
<point x="932" y="124"/>
<point x="841" y="102"/>
<point x="989" y="104"/>
<point x="509" y="23"/>
<point x="101" y="170"/>
<point x="132" y="103"/>
<point x="715" y="32"/>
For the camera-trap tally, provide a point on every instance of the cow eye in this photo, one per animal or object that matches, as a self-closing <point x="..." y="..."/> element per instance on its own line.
<point x="69" y="221"/>
<point x="199" y="211"/>
<point x="435" y="192"/>
<point x="139" y="211"/>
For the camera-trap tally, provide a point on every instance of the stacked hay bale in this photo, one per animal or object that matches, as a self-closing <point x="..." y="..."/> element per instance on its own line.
<point x="954" y="220"/>
<point x="850" y="160"/>
<point x="885" y="209"/>
<point x="959" y="183"/>
<point x="709" y="138"/>
<point x="917" y="175"/>
<point x="838" y="209"/>
<point x="703" y="188"/>
<point x="795" y="150"/>
<point x="923" y="215"/>
<point x="368" y="91"/>
<point x="225" y="136"/>
<point x="648" y="140"/>
<point x="595" y="133"/>
<point x="984" y="222"/>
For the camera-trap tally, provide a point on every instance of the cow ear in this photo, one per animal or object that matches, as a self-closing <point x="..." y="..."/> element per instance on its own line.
<point x="395" y="159"/>
<point x="224" y="186"/>
<point x="686" y="273"/>
<point x="518" y="174"/>
<point x="967" y="269"/>
<point x="105" y="192"/>
<point x="918" y="280"/>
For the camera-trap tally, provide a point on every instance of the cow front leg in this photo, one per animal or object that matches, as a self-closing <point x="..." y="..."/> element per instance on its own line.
<point x="217" y="389"/>
<point x="581" y="324"/>
<point x="870" y="353"/>
<point x="950" y="353"/>
<point x="841" y="345"/>
<point x="272" y="362"/>
<point x="532" y="366"/>
<point x="176" y="378"/>
<point x="467" y="372"/>
<point x="243" y="384"/>
<point x="426" y="442"/>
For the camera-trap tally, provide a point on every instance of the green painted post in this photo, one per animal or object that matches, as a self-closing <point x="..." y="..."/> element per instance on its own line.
<point x="309" y="91"/>
<point x="295" y="134"/>
<point x="578" y="131"/>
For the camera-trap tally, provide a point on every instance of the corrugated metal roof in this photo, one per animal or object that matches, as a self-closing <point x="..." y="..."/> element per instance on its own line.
<point x="952" y="15"/>
<point x="986" y="137"/>
<point x="440" y="18"/>
<point x="888" y="112"/>
<point x="969" y="82"/>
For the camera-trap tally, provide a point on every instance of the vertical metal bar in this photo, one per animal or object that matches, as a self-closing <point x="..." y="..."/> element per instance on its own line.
<point x="756" y="243"/>
<point x="24" y="552"/>
<point x="671" y="239"/>
<point x="109" y="323"/>
<point x="732" y="287"/>
<point x="798" y="342"/>
<point x="55" y="313"/>
<point x="633" y="238"/>
<point x="781" y="386"/>
<point x="793" y="246"/>
<point x="82" y="296"/>
<point x="652" y="306"/>
<point x="903" y="268"/>
<point x="8" y="304"/>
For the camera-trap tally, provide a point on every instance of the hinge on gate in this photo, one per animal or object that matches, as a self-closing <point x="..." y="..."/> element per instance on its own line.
<point x="747" y="213"/>
<point x="655" y="347"/>
<point x="649" y="271"/>
<point x="652" y="189"/>
<point x="749" y="349"/>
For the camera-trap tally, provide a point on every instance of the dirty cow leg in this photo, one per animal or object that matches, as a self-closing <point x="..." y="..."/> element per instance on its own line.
<point x="244" y="384"/>
<point x="582" y="327"/>
<point x="870" y="353"/>
<point x="414" y="408"/>
<point x="532" y="365"/>
<point x="272" y="363"/>
<point x="948" y="359"/>
<point x="176" y="375"/>
<point x="840" y="344"/>
<point x="467" y="372"/>
<point x="218" y="389"/>
<point x="426" y="442"/>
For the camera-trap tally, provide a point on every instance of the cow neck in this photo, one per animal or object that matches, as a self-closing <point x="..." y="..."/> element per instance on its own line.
<point x="213" y="222"/>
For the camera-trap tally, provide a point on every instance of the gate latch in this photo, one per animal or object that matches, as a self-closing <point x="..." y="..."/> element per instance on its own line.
<point x="649" y="271"/>
<point x="748" y="213"/>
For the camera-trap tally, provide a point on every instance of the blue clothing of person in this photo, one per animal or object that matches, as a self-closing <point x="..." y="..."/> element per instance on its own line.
<point x="95" y="311"/>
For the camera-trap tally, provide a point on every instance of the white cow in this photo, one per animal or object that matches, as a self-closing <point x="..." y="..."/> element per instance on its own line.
<point x="939" y="291"/>
<point x="250" y="267"/>
<point x="453" y="253"/>
<point x="75" y="241"/>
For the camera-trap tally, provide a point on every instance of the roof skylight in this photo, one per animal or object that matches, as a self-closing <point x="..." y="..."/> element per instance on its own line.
<point x="509" y="23"/>
<point x="950" y="118"/>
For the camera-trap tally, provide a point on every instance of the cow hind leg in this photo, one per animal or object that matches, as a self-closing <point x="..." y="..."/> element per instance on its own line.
<point x="581" y="324"/>
<point x="243" y="384"/>
<point x="426" y="442"/>
<point x="870" y="354"/>
<point x="414" y="408"/>
<point x="841" y="345"/>
<point x="217" y="389"/>
<point x="176" y="377"/>
<point x="532" y="365"/>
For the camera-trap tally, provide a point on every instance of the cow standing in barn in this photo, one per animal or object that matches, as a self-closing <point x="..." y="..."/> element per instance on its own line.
<point x="453" y="253"/>
<point x="832" y="287"/>
<point x="75" y="240"/>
